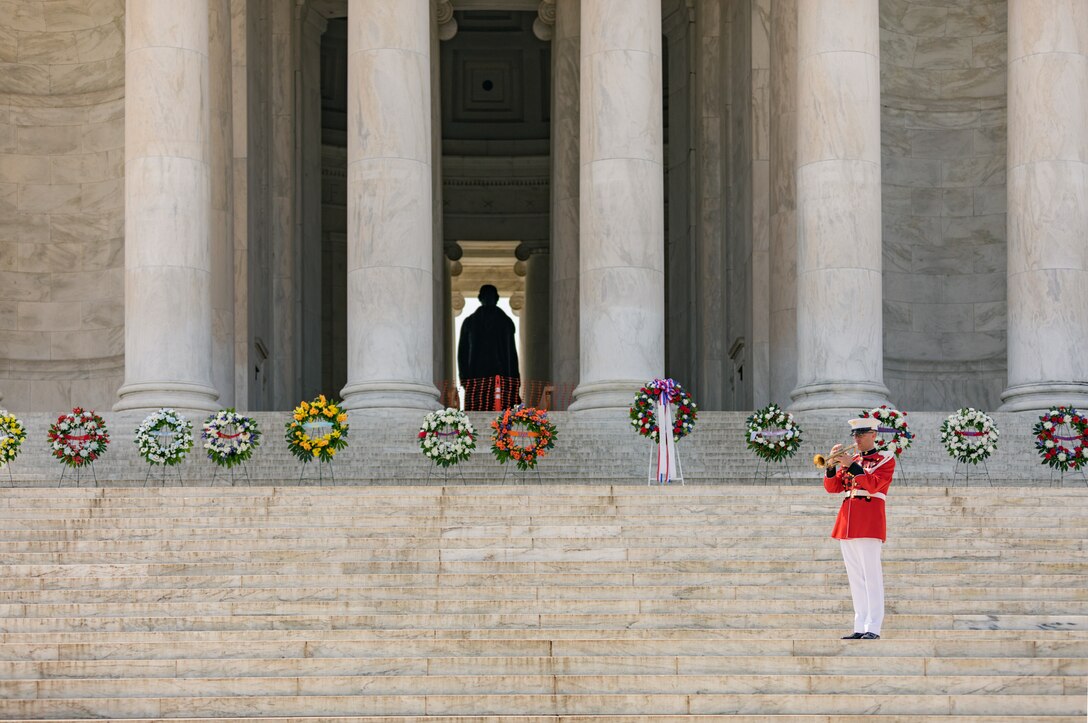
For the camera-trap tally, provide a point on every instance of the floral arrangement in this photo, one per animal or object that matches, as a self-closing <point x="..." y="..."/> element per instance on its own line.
<point x="78" y="437"/>
<point x="169" y="426"/>
<point x="522" y="421"/>
<point x="230" y="438"/>
<point x="644" y="418"/>
<point x="12" y="436"/>
<point x="773" y="434"/>
<point x="893" y="422"/>
<point x="447" y="437"/>
<point x="1062" y="451"/>
<point x="317" y="430"/>
<point x="969" y="435"/>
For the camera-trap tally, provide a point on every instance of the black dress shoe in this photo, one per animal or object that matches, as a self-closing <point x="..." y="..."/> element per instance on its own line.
<point x="855" y="636"/>
<point x="869" y="636"/>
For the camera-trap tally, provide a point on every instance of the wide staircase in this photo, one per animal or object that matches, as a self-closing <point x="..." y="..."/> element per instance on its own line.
<point x="535" y="602"/>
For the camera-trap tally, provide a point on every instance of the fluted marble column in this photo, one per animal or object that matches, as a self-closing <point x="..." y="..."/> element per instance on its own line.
<point x="390" y="259"/>
<point x="621" y="202"/>
<point x="839" y="314"/>
<point x="168" y="314"/>
<point x="1048" y="204"/>
<point x="564" y="179"/>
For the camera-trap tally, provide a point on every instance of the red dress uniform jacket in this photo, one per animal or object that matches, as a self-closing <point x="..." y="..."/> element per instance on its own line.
<point x="858" y="516"/>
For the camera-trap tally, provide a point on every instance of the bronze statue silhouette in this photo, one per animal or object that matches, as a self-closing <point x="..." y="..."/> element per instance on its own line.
<point x="487" y="349"/>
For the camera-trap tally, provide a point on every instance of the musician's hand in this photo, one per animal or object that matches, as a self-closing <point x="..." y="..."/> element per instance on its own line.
<point x="835" y="451"/>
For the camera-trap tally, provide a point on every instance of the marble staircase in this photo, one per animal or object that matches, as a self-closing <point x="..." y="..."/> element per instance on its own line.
<point x="529" y="602"/>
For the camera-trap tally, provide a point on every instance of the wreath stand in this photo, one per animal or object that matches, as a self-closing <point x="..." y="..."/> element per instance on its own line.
<point x="219" y="468"/>
<point x="78" y="469"/>
<point x="444" y="475"/>
<point x="151" y="470"/>
<point x="320" y="471"/>
<point x="652" y="477"/>
<point x="164" y="438"/>
<point x="517" y="473"/>
<point x="967" y="473"/>
<point x="1061" y="477"/>
<point x="763" y="471"/>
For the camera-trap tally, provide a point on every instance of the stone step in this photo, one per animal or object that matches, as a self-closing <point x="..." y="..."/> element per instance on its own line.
<point x="824" y="552"/>
<point x="523" y="621"/>
<point x="551" y="555"/>
<point x="456" y="537"/>
<point x="784" y="643"/>
<point x="426" y="548"/>
<point x="555" y="580"/>
<point x="969" y="568"/>
<point x="739" y="665"/>
<point x="286" y="593"/>
<point x="552" y="704"/>
<point x="407" y="684"/>
<point x="738" y="718"/>
<point x="452" y="605"/>
<point x="552" y="493"/>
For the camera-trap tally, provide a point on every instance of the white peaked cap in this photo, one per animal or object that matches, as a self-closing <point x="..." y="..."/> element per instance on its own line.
<point x="864" y="423"/>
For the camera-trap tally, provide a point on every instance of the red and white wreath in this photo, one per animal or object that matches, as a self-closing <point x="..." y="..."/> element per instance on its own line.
<point x="78" y="437"/>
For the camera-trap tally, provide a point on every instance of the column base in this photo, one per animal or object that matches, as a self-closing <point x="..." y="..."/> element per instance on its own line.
<point x="844" y="397"/>
<point x="614" y="394"/>
<point x="1042" y="396"/>
<point x="390" y="395"/>
<point x="185" y="397"/>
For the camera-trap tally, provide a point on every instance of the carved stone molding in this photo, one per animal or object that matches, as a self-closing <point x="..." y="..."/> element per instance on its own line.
<point x="544" y="24"/>
<point x="447" y="24"/>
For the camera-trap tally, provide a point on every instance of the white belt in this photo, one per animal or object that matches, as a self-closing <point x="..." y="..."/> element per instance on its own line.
<point x="862" y="493"/>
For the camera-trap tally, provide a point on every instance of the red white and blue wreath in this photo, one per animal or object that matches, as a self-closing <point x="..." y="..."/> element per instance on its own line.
<point x="644" y="416"/>
<point x="969" y="436"/>
<point x="773" y="434"/>
<point x="230" y="438"/>
<point x="1061" y="437"/>
<point x="892" y="422"/>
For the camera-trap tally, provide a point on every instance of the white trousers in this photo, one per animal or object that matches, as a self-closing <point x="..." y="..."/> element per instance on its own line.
<point x="862" y="557"/>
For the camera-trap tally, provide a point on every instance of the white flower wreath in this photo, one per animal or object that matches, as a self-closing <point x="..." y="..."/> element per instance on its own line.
<point x="165" y="437"/>
<point x="894" y="421"/>
<point x="969" y="435"/>
<point x="446" y="437"/>
<point x="773" y="433"/>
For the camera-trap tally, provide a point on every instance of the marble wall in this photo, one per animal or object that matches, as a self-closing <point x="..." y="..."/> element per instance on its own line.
<point x="61" y="203"/>
<point x="943" y="124"/>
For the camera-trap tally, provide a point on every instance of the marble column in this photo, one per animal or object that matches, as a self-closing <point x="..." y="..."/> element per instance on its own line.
<point x="168" y="313"/>
<point x="839" y="308"/>
<point x="390" y="255"/>
<point x="564" y="201"/>
<point x="621" y="194"/>
<point x="783" y="202"/>
<point x="222" y="202"/>
<point x="536" y="319"/>
<point x="1047" y="204"/>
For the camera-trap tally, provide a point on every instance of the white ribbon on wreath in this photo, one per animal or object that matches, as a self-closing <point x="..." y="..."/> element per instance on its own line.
<point x="667" y="461"/>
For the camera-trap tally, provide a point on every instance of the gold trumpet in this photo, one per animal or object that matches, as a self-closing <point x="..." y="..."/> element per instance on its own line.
<point x="829" y="459"/>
